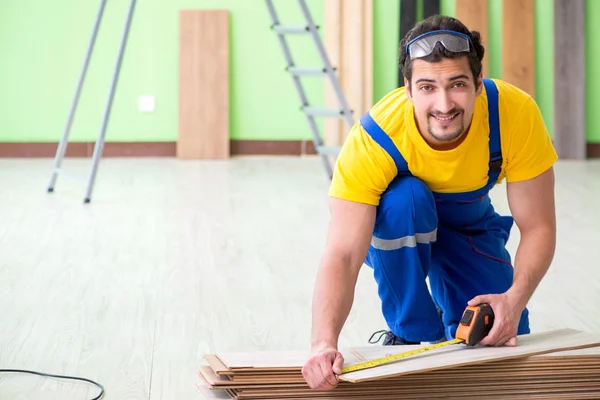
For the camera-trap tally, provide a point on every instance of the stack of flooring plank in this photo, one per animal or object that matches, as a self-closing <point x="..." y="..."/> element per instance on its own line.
<point x="551" y="365"/>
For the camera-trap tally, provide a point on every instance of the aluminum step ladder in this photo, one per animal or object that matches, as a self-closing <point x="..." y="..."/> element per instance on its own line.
<point x="99" y="145"/>
<point x="299" y="72"/>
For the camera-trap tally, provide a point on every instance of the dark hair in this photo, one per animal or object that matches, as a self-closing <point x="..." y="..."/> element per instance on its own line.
<point x="439" y="22"/>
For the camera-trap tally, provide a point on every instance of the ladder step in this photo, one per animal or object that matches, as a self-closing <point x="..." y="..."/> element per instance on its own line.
<point x="329" y="150"/>
<point x="307" y="71"/>
<point x="291" y="29"/>
<point x="323" y="112"/>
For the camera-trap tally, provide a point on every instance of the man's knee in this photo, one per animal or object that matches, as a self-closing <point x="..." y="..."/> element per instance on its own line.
<point x="406" y="208"/>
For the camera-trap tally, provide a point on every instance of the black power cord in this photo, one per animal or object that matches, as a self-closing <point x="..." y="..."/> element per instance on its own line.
<point x="60" y="377"/>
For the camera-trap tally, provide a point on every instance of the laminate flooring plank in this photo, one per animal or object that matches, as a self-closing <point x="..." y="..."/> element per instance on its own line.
<point x="431" y="7"/>
<point x="518" y="44"/>
<point x="261" y="363"/>
<point x="452" y="356"/>
<point x="474" y="14"/>
<point x="408" y="19"/>
<point x="569" y="87"/>
<point x="204" y="99"/>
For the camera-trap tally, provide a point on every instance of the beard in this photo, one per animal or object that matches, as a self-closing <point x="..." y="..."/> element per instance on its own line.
<point x="446" y="132"/>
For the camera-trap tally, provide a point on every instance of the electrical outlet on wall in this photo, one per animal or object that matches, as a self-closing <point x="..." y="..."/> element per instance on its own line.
<point x="146" y="104"/>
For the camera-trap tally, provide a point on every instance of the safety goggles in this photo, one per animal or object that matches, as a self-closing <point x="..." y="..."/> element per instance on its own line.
<point x="424" y="44"/>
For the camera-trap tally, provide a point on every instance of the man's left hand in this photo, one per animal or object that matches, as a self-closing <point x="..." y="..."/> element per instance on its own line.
<point x="507" y="314"/>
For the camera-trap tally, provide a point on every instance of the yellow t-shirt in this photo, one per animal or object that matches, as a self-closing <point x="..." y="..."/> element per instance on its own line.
<point x="364" y="169"/>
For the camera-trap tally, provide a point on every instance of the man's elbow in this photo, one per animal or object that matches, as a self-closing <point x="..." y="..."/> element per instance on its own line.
<point x="342" y="260"/>
<point x="543" y="233"/>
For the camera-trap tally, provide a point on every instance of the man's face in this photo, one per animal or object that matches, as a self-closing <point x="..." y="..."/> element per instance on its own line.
<point x="443" y="95"/>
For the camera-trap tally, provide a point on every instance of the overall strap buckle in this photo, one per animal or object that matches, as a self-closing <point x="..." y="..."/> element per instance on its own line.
<point x="495" y="163"/>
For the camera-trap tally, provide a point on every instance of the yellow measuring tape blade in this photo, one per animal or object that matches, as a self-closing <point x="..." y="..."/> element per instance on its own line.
<point x="394" y="357"/>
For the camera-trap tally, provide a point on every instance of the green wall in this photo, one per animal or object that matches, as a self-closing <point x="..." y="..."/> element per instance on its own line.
<point x="43" y="45"/>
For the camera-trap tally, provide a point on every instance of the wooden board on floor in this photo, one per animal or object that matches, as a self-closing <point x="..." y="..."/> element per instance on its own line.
<point x="348" y="40"/>
<point x="474" y="14"/>
<point x="569" y="82"/>
<point x="203" y="84"/>
<point x="556" y="342"/>
<point x="570" y="373"/>
<point x="453" y="356"/>
<point x="518" y="44"/>
<point x="448" y="357"/>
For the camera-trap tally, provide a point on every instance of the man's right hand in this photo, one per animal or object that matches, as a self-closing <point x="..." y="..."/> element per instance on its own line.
<point x="320" y="369"/>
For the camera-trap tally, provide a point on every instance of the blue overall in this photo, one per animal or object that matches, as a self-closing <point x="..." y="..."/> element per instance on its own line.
<point x="457" y="240"/>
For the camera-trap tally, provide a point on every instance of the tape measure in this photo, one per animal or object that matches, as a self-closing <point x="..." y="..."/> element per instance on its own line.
<point x="395" y="357"/>
<point x="475" y="324"/>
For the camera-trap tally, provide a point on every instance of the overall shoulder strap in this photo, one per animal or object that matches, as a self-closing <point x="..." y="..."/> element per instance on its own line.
<point x="495" y="164"/>
<point x="381" y="138"/>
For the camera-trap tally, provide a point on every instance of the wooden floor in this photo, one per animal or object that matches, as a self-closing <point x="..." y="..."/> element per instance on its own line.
<point x="173" y="260"/>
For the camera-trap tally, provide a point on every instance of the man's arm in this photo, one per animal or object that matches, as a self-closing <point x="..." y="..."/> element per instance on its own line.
<point x="350" y="230"/>
<point x="349" y="236"/>
<point x="532" y="205"/>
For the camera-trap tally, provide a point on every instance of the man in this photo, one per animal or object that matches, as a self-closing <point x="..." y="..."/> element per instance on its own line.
<point x="409" y="197"/>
